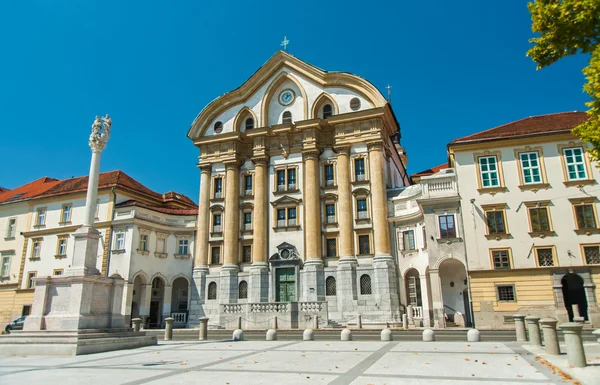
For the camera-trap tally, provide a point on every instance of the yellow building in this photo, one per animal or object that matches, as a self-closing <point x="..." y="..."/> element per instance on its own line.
<point x="529" y="198"/>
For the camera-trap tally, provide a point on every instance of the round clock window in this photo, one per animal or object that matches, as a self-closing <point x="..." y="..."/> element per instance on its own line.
<point x="286" y="97"/>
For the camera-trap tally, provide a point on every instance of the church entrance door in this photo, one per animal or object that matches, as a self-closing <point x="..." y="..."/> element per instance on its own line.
<point x="285" y="283"/>
<point x="153" y="320"/>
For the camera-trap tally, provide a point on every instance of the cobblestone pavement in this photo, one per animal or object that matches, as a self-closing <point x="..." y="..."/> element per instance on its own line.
<point x="289" y="362"/>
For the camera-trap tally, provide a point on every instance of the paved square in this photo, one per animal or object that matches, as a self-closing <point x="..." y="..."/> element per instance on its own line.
<point x="288" y="362"/>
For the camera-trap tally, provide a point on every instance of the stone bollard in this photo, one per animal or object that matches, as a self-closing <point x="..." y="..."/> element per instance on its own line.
<point x="359" y="322"/>
<point x="404" y="321"/>
<point x="203" y="329"/>
<point x="136" y="324"/>
<point x="238" y="335"/>
<point x="308" y="335"/>
<point x="239" y="323"/>
<point x="473" y="335"/>
<point x="428" y="335"/>
<point x="597" y="334"/>
<point x="316" y="322"/>
<point x="550" y="336"/>
<point x="275" y="323"/>
<point x="520" y="327"/>
<point x="533" y="327"/>
<point x="271" y="335"/>
<point x="169" y="328"/>
<point x="575" y="352"/>
<point x="346" y="335"/>
<point x="386" y="335"/>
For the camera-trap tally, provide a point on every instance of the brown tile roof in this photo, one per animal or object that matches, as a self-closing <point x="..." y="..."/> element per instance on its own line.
<point x="531" y="126"/>
<point x="159" y="208"/>
<point x="430" y="171"/>
<point x="29" y="190"/>
<point x="2" y="189"/>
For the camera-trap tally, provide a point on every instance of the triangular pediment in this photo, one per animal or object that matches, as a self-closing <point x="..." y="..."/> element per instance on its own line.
<point x="286" y="200"/>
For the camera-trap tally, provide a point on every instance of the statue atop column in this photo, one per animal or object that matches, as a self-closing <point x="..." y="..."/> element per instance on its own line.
<point x="100" y="133"/>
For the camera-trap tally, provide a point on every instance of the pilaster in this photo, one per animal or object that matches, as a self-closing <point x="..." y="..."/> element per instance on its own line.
<point x="345" y="216"/>
<point x="201" y="256"/>
<point x="378" y="199"/>
<point x="312" y="206"/>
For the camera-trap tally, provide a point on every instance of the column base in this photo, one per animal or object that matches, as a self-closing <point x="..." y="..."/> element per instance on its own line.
<point x="313" y="281"/>
<point x="198" y="294"/>
<point x="258" y="290"/>
<point x="346" y="289"/>
<point x="228" y="289"/>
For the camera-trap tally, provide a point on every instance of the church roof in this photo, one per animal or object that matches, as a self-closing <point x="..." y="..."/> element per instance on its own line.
<point x="532" y="126"/>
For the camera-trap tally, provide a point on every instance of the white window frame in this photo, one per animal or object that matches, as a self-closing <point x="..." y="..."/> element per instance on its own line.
<point x="36" y="251"/>
<point x="120" y="238"/>
<point x="183" y="243"/>
<point x="488" y="172"/>
<point x="62" y="243"/>
<point x="439" y="229"/>
<point x="575" y="164"/>
<point x="531" y="168"/>
<point x="31" y="275"/>
<point x="5" y="270"/>
<point x="11" y="228"/>
<point x="41" y="217"/>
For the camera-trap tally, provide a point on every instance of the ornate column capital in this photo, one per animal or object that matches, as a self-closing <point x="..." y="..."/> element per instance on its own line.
<point x="205" y="168"/>
<point x="311" y="154"/>
<point x="375" y="146"/>
<point x="232" y="165"/>
<point x="342" y="149"/>
<point x="100" y="133"/>
<point x="262" y="160"/>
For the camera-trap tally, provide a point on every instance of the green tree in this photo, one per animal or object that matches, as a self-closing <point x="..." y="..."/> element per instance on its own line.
<point x="570" y="27"/>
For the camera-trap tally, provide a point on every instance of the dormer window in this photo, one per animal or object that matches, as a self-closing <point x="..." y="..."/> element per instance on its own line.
<point x="249" y="124"/>
<point x="286" y="117"/>
<point x="327" y="111"/>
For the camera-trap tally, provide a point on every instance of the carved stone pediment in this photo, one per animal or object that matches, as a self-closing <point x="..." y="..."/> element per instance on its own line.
<point x="286" y="254"/>
<point x="286" y="200"/>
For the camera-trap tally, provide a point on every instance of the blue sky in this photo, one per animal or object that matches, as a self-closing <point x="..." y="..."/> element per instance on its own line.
<point x="455" y="67"/>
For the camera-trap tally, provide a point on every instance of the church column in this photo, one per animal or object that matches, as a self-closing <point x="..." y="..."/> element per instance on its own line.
<point x="313" y="288"/>
<point x="259" y="272"/>
<point x="384" y="267"/>
<point x="198" y="292"/>
<point x="346" y="272"/>
<point x="231" y="234"/>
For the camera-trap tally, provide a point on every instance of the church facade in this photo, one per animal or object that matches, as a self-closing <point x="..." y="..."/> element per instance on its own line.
<point x="293" y="216"/>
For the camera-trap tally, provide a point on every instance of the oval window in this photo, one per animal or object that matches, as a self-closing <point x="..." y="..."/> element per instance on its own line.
<point x="218" y="127"/>
<point x="355" y="104"/>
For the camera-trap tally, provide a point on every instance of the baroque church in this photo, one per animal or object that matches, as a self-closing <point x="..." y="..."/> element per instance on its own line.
<point x="293" y="216"/>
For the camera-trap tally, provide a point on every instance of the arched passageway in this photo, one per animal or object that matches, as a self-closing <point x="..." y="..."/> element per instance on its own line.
<point x="574" y="296"/>
<point x="453" y="278"/>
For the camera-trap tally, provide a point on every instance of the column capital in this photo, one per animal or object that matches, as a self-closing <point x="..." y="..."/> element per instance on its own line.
<point x="207" y="167"/>
<point x="260" y="160"/>
<point x="376" y="145"/>
<point x="312" y="153"/>
<point x="342" y="149"/>
<point x="232" y="164"/>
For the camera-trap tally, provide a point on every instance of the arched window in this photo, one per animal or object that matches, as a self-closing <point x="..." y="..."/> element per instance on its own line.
<point x="218" y="127"/>
<point x="287" y="117"/>
<point x="330" y="287"/>
<point x="327" y="111"/>
<point x="365" y="284"/>
<point x="243" y="290"/>
<point x="212" y="291"/>
<point x="249" y="124"/>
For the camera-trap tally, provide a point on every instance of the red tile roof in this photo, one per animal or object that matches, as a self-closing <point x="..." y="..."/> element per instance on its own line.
<point x="160" y="209"/>
<point x="531" y="126"/>
<point x="2" y="189"/>
<point x="29" y="190"/>
<point x="430" y="171"/>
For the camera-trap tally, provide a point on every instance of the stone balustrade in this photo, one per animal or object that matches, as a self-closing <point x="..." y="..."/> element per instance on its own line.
<point x="260" y="315"/>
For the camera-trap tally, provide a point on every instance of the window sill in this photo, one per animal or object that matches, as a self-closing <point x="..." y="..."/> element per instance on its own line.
<point x="364" y="255"/>
<point x="160" y="255"/>
<point x="330" y="187"/>
<point x="251" y="196"/>
<point x="362" y="220"/>
<point x="579" y="183"/>
<point x="281" y="192"/>
<point x="142" y="252"/>
<point x="497" y="237"/>
<point x="64" y="223"/>
<point x="182" y="256"/>
<point x="118" y="251"/>
<point x="534" y="187"/>
<point x="251" y="231"/>
<point x="492" y="190"/>
<point x="502" y="268"/>
<point x="39" y="226"/>
<point x="9" y="238"/>
<point x="287" y="228"/>
<point x="360" y="182"/>
<point x="587" y="231"/>
<point x="541" y="234"/>
<point x="217" y="199"/>
<point x="60" y="256"/>
<point x="449" y="240"/>
<point x="216" y="234"/>
<point x="34" y="259"/>
<point x="333" y="224"/>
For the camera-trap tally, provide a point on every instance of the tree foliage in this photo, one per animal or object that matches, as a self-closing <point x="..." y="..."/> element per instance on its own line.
<point x="570" y="27"/>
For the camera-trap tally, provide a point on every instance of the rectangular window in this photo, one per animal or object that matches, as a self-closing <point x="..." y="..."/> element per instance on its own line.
<point x="58" y="272"/>
<point x="248" y="184"/>
<point x="66" y="214"/>
<point x="36" y="249"/>
<point x="359" y="169"/>
<point x="160" y="245"/>
<point x="575" y="163"/>
<point x="280" y="180"/>
<point x="506" y="293"/>
<point x="495" y="222"/>
<point x="215" y="255"/>
<point x="545" y="256"/>
<point x="364" y="246"/>
<point x="329" y="179"/>
<point x="31" y="279"/>
<point x="361" y="208"/>
<point x="331" y="247"/>
<point x="501" y="259"/>
<point x="41" y="217"/>
<point x="144" y="242"/>
<point x="247" y="221"/>
<point x="447" y="229"/>
<point x="217" y="223"/>
<point x="539" y="219"/>
<point x="424" y="238"/>
<point x="530" y="167"/>
<point x="183" y="247"/>
<point x="291" y="216"/>
<point x="409" y="240"/>
<point x="488" y="168"/>
<point x="330" y="213"/>
<point x="5" y="267"/>
<point x="246" y="253"/>
<point x="291" y="174"/>
<point x="592" y="255"/>
<point x="281" y="218"/>
<point x="11" y="230"/>
<point x="120" y="241"/>
<point x="62" y="246"/>
<point x="218" y="188"/>
<point x="585" y="216"/>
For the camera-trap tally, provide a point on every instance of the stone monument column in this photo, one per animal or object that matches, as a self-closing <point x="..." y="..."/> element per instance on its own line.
<point x="346" y="271"/>
<point x="259" y="271"/>
<point x="231" y="234"/>
<point x="313" y="288"/>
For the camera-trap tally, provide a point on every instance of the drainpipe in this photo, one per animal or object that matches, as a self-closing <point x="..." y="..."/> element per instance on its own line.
<point x="112" y="190"/>
<point x="467" y="258"/>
